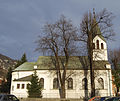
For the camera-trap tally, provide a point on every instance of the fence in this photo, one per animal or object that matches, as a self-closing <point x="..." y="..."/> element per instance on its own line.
<point x="48" y="99"/>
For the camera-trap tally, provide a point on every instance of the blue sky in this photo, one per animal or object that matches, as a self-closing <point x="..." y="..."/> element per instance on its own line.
<point x="21" y="21"/>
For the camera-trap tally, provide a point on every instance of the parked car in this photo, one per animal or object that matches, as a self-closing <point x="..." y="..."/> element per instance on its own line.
<point x="98" y="98"/>
<point x="113" y="99"/>
<point x="104" y="98"/>
<point x="95" y="98"/>
<point x="8" y="97"/>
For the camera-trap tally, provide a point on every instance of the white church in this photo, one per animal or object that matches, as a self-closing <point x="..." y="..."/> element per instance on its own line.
<point x="75" y="85"/>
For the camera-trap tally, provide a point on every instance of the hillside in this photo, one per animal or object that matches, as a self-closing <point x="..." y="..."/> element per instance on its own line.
<point x="5" y="63"/>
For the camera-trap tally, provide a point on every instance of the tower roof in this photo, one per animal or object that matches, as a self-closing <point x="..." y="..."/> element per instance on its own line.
<point x="96" y="29"/>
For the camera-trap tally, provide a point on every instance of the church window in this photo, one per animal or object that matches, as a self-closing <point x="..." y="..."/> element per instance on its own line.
<point x="93" y="45"/>
<point x="55" y="83"/>
<point x="97" y="44"/>
<point x="23" y="86"/>
<point x="100" y="83"/>
<point x="42" y="82"/>
<point x="102" y="46"/>
<point x="84" y="84"/>
<point x="18" y="86"/>
<point x="70" y="83"/>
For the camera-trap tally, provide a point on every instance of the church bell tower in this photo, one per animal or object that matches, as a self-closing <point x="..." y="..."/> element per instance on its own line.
<point x="99" y="43"/>
<point x="99" y="49"/>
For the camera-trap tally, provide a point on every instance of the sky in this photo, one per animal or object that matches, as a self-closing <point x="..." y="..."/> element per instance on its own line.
<point x="21" y="22"/>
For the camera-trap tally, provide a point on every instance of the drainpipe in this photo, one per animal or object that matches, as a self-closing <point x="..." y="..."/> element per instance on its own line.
<point x="18" y="74"/>
<point x="109" y="82"/>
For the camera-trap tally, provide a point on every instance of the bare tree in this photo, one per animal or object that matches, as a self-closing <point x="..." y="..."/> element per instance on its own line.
<point x="58" y="41"/>
<point x="92" y="25"/>
<point x="114" y="57"/>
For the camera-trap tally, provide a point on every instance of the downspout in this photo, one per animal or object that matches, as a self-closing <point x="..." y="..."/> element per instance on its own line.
<point x="109" y="82"/>
<point x="18" y="74"/>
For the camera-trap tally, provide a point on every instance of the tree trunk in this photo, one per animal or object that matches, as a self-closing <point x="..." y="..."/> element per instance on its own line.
<point x="92" y="76"/>
<point x="90" y="55"/>
<point x="92" y="83"/>
<point x="63" y="92"/>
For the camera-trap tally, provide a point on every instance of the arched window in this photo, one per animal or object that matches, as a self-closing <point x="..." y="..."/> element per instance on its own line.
<point x="70" y="83"/>
<point x="100" y="83"/>
<point x="97" y="44"/>
<point x="42" y="82"/>
<point x="55" y="83"/>
<point x="102" y="46"/>
<point x="93" y="45"/>
<point x="84" y="84"/>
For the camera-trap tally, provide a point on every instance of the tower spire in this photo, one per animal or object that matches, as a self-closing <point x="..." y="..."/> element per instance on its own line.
<point x="94" y="12"/>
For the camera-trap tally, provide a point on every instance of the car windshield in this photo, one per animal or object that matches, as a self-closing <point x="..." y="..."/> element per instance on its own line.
<point x="117" y="98"/>
<point x="11" y="97"/>
<point x="113" y="99"/>
<point x="104" y="98"/>
<point x="0" y="96"/>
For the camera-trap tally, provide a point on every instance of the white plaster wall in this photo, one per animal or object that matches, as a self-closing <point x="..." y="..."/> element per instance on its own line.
<point x="76" y="92"/>
<point x="109" y="79"/>
<point x="21" y="93"/>
<point x="100" y="54"/>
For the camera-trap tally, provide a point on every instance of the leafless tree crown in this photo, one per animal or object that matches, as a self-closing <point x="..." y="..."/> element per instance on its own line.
<point x="58" y="37"/>
<point x="100" y="23"/>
